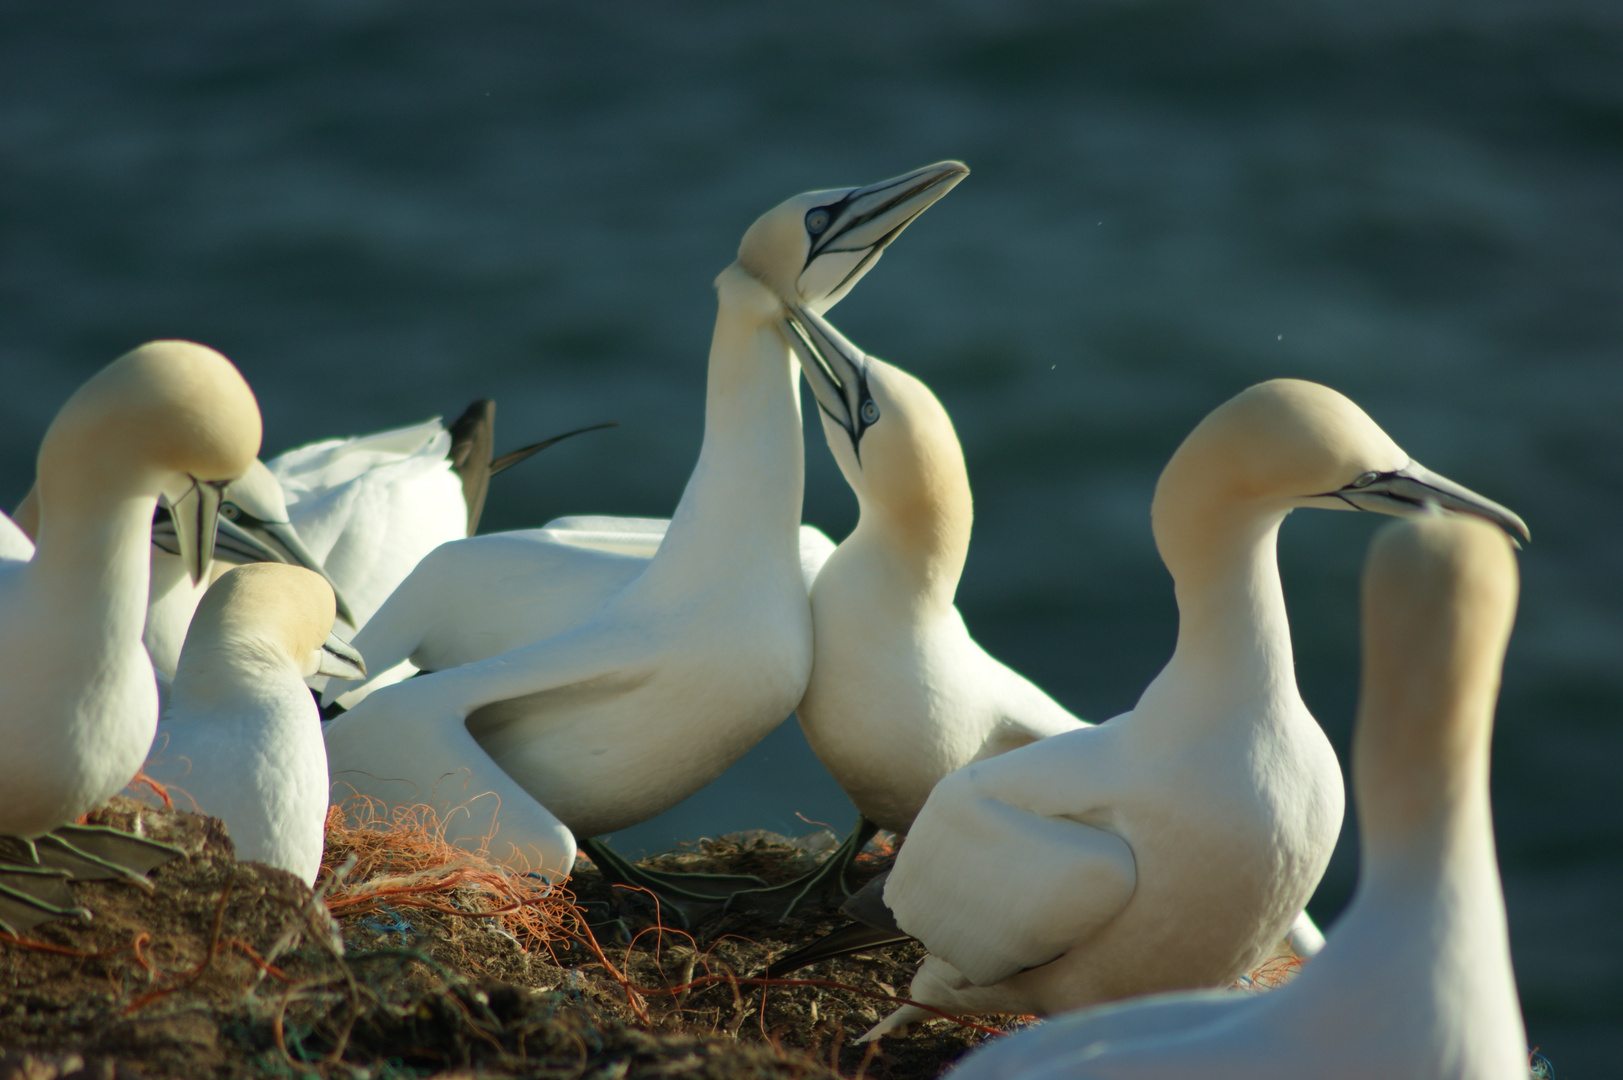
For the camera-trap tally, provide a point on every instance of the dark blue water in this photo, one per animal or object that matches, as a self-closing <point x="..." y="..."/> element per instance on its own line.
<point x="380" y="211"/>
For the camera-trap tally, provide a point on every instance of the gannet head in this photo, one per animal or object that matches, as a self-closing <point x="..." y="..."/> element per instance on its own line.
<point x="254" y="527"/>
<point x="810" y="250"/>
<point x="894" y="442"/>
<point x="273" y="606"/>
<point x="1292" y="443"/>
<point x="171" y="419"/>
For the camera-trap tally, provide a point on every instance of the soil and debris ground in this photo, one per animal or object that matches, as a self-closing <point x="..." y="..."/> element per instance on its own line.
<point x="420" y="961"/>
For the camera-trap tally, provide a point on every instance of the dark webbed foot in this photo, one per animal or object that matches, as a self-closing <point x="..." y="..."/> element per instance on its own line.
<point x="827" y="881"/>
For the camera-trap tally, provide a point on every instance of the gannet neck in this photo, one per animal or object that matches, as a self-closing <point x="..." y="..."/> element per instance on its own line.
<point x="1233" y="628"/>
<point x="1439" y="597"/>
<point x="114" y="538"/>
<point x="745" y="490"/>
<point x="911" y="484"/>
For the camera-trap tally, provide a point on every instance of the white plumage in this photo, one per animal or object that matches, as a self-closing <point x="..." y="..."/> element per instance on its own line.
<point x="703" y="651"/>
<point x="1172" y="846"/>
<point x="78" y="702"/>
<point x="241" y="733"/>
<point x="1415" y="981"/>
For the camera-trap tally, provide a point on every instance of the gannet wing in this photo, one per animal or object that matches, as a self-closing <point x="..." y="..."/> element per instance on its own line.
<point x="1058" y="1046"/>
<point x="999" y="874"/>
<point x="642" y="537"/>
<point x="476" y="598"/>
<point x="409" y="743"/>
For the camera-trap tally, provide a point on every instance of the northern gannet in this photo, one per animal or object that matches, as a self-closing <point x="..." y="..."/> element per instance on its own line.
<point x="241" y="734"/>
<point x="1172" y="846"/>
<point x="900" y="695"/>
<point x="78" y="703"/>
<point x="1415" y="981"/>
<point x="707" y="648"/>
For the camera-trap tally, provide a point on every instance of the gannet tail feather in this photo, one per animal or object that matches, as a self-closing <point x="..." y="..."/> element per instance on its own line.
<point x="848" y="939"/>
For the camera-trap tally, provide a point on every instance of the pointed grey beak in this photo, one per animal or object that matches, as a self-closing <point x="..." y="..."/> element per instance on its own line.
<point x="276" y="541"/>
<point x="339" y="659"/>
<point x="849" y="234"/>
<point x="1414" y="488"/>
<point x="836" y="371"/>
<point x="195" y="513"/>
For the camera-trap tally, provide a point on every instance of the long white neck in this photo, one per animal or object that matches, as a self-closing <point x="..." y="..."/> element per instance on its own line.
<point x="743" y="501"/>
<point x="1429" y="914"/>
<point x="93" y="559"/>
<point x="1234" y="644"/>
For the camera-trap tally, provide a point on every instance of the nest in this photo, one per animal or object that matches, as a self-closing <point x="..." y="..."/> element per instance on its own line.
<point x="417" y="958"/>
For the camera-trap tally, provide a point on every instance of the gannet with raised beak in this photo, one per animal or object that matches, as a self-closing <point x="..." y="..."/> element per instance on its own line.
<point x="78" y="703"/>
<point x="708" y="648"/>
<point x="1172" y="846"/>
<point x="900" y="695"/>
<point x="241" y="734"/>
<point x="1415" y="981"/>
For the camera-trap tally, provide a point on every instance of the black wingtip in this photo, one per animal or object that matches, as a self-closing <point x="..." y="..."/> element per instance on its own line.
<point x="513" y="457"/>
<point x="473" y="439"/>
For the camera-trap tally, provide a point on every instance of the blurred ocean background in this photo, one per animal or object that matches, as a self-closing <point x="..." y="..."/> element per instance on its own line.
<point x="383" y="210"/>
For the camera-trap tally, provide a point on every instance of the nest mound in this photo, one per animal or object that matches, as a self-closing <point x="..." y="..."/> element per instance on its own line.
<point x="414" y="958"/>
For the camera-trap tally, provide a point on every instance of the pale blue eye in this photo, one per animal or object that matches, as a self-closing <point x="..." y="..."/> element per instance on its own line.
<point x="1366" y="480"/>
<point x="870" y="411"/>
<point x="816" y="222"/>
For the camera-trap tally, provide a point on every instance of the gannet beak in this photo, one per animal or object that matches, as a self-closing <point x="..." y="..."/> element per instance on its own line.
<point x="338" y="658"/>
<point x="276" y="541"/>
<point x="836" y="371"/>
<point x="1414" y="489"/>
<point x="195" y="515"/>
<point x="849" y="234"/>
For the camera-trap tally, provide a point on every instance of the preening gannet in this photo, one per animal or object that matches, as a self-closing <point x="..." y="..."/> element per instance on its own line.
<point x="78" y="704"/>
<point x="1172" y="846"/>
<point x="900" y="695"/>
<point x="1415" y="981"/>
<point x="241" y="734"/>
<point x="700" y="654"/>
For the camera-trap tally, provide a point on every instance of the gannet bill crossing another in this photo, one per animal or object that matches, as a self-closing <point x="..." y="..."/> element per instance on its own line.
<point x="241" y="734"/>
<point x="78" y="704"/>
<point x="1415" y="980"/>
<point x="254" y="526"/>
<point x="708" y="648"/>
<point x="900" y="694"/>
<point x="1171" y="847"/>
